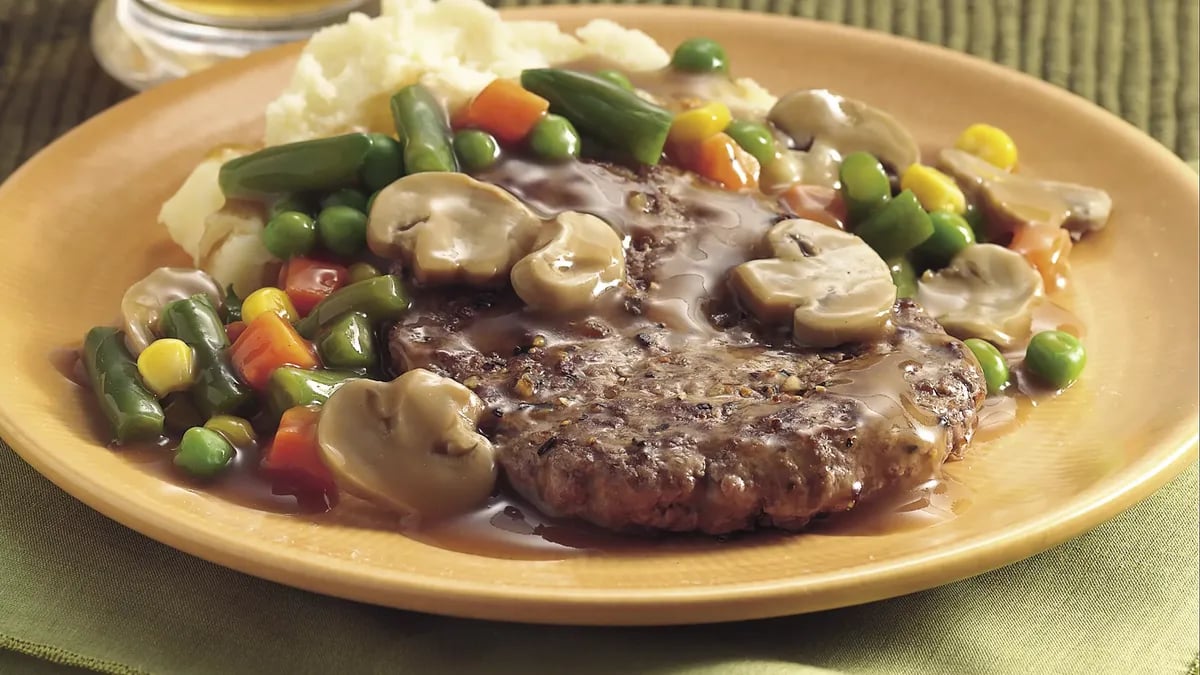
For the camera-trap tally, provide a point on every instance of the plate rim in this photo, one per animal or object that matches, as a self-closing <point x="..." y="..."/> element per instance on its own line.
<point x="478" y="599"/>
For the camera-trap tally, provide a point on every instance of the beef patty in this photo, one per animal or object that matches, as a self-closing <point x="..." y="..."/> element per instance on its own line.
<point x="669" y="408"/>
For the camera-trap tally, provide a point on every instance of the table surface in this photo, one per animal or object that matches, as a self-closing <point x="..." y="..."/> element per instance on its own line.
<point x="1132" y="577"/>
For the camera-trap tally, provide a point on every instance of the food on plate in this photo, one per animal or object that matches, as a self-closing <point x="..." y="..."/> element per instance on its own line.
<point x="478" y="256"/>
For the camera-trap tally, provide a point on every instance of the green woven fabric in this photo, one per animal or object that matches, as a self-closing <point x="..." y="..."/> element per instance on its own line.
<point x="79" y="591"/>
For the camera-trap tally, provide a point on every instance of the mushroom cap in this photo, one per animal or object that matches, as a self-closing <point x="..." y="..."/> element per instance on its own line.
<point x="836" y="126"/>
<point x="577" y="259"/>
<point x="142" y="304"/>
<point x="831" y="285"/>
<point x="411" y="444"/>
<point x="450" y="228"/>
<point x="987" y="292"/>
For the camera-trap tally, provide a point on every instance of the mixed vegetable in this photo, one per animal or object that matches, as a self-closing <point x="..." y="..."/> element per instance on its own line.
<point x="976" y="243"/>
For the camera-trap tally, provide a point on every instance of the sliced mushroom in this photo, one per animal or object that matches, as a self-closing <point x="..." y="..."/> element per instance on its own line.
<point x="411" y="444"/>
<point x="451" y="228"/>
<point x="576" y="260"/>
<point x="831" y="286"/>
<point x="143" y="302"/>
<point x="1013" y="200"/>
<point x="986" y="292"/>
<point x="832" y="126"/>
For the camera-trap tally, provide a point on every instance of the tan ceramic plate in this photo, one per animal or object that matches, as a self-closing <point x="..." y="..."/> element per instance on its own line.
<point x="79" y="226"/>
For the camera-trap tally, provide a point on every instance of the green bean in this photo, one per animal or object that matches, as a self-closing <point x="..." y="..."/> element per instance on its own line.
<point x="361" y="271"/>
<point x="1056" y="358"/>
<point x="603" y="110"/>
<point x="132" y="411"/>
<point x="896" y="228"/>
<point x="476" y="149"/>
<point x="289" y="234"/>
<point x="700" y="55"/>
<point x="381" y="298"/>
<point x="951" y="234"/>
<point x="232" y="305"/>
<point x="865" y="185"/>
<point x="383" y="164"/>
<point x="554" y="138"/>
<point x="995" y="370"/>
<point x="754" y="138"/>
<point x="355" y="199"/>
<point x="343" y="230"/>
<point x="203" y="453"/>
<point x="348" y="343"/>
<point x="319" y="165"/>
<point x="423" y="130"/>
<point x="289" y="387"/>
<point x="217" y="389"/>
<point x="904" y="276"/>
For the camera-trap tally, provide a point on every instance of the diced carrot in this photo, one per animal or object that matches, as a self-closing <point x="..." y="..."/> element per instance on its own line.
<point x="503" y="109"/>
<point x="1047" y="247"/>
<point x="308" y="281"/>
<point x="816" y="202"/>
<point x="293" y="460"/>
<point x="720" y="159"/>
<point x="235" y="329"/>
<point x="269" y="342"/>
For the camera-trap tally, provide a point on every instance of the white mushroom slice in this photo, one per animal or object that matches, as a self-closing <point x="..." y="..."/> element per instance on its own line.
<point x="986" y="292"/>
<point x="834" y="126"/>
<point x="450" y="228"/>
<point x="578" y="258"/>
<point x="143" y="302"/>
<point x="411" y="444"/>
<point x="831" y="286"/>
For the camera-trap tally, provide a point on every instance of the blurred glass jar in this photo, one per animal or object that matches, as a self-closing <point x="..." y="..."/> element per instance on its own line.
<point x="146" y="42"/>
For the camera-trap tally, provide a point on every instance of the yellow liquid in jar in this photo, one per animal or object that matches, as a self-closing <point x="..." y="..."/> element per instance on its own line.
<point x="246" y="9"/>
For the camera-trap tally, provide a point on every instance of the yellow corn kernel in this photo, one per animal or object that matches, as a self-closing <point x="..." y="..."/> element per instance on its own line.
<point x="697" y="124"/>
<point x="236" y="430"/>
<point x="167" y="365"/>
<point x="268" y="300"/>
<point x="935" y="190"/>
<point x="990" y="144"/>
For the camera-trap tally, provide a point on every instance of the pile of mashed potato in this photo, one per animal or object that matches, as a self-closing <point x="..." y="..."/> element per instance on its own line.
<point x="346" y="76"/>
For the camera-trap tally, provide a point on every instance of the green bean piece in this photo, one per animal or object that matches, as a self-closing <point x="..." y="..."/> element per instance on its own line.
<point x="700" y="55"/>
<point x="290" y="234"/>
<point x="132" y="410"/>
<point x="602" y="110"/>
<point x="203" y="453"/>
<point x="995" y="370"/>
<point x="321" y="165"/>
<point x="476" y="149"/>
<point x="289" y="387"/>
<point x="554" y="138"/>
<point x="754" y="138"/>
<point x="292" y="202"/>
<point x="951" y="234"/>
<point x="382" y="298"/>
<point x="904" y="276"/>
<point x="237" y="430"/>
<point x="217" y="389"/>
<point x="865" y="185"/>
<point x="383" y="164"/>
<point x="355" y="199"/>
<point x="975" y="218"/>
<point x="233" y="305"/>
<point x="1056" y="358"/>
<point x="343" y="230"/>
<point x="361" y="271"/>
<point x="896" y="228"/>
<point x="348" y="343"/>
<point x="616" y="77"/>
<point x="424" y="131"/>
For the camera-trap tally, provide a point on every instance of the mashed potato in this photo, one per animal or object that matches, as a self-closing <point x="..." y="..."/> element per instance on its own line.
<point x="347" y="73"/>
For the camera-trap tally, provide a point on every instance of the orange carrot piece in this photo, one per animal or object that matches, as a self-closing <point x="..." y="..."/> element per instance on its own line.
<point x="816" y="202"/>
<point x="1047" y="247"/>
<point x="293" y="460"/>
<point x="505" y="110"/>
<point x="720" y="159"/>
<point x="269" y="342"/>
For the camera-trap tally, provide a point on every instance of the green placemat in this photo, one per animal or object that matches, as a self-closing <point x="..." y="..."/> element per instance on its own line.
<point x="76" y="588"/>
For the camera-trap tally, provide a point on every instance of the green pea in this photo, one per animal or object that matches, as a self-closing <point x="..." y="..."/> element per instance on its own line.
<point x="292" y="202"/>
<point x="865" y="185"/>
<point x="616" y="77"/>
<point x="346" y="197"/>
<point x="975" y="218"/>
<point x="289" y="234"/>
<point x="754" y="138"/>
<point x="951" y="234"/>
<point x="383" y="163"/>
<point x="1056" y="358"/>
<point x="343" y="230"/>
<point x="554" y="138"/>
<point x="203" y="453"/>
<point x="371" y="202"/>
<point x="700" y="55"/>
<point x="904" y="276"/>
<point x="995" y="370"/>
<point x="237" y="430"/>
<point x="362" y="271"/>
<point x="476" y="150"/>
